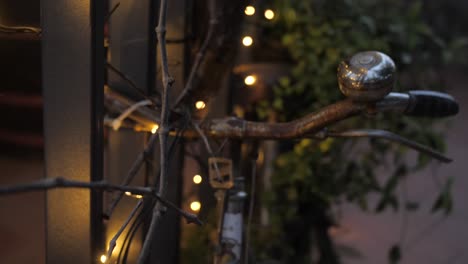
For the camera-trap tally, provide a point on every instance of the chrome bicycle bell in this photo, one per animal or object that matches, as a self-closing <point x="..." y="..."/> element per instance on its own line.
<point x="367" y="76"/>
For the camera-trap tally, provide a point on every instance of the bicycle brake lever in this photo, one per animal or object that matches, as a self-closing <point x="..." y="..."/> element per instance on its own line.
<point x="377" y="133"/>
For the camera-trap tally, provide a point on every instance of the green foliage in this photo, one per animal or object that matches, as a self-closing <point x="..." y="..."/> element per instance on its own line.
<point x="394" y="255"/>
<point x="311" y="175"/>
<point x="444" y="201"/>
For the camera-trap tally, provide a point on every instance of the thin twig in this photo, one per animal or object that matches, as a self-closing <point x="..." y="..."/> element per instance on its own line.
<point x="157" y="213"/>
<point x="132" y="172"/>
<point x="208" y="148"/>
<point x="19" y="29"/>
<point x="130" y="235"/>
<point x="204" y="138"/>
<point x="54" y="183"/>
<point x="220" y="148"/>
<point x="113" y="241"/>
<point x="201" y="54"/>
<point x="163" y="131"/>
<point x="132" y="84"/>
<point x="108" y="16"/>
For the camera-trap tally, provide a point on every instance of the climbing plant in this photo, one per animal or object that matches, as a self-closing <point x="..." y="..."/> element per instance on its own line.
<point x="312" y="176"/>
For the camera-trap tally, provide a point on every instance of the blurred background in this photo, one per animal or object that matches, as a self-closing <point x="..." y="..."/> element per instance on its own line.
<point x="331" y="201"/>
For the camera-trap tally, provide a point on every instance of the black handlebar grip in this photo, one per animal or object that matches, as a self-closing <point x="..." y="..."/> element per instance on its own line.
<point x="431" y="104"/>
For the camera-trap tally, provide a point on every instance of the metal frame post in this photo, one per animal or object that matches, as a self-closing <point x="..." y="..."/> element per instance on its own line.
<point x="73" y="80"/>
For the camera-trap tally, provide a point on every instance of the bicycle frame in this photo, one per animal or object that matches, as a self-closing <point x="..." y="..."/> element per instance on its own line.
<point x="309" y="126"/>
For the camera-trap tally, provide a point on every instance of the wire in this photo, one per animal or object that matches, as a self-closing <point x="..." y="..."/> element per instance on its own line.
<point x="122" y="258"/>
<point x="117" y="122"/>
<point x="19" y="29"/>
<point x="124" y="77"/>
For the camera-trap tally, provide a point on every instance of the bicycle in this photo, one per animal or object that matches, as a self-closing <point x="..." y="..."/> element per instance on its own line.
<point x="366" y="79"/>
<point x="370" y="96"/>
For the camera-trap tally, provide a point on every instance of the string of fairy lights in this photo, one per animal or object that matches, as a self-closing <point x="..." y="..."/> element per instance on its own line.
<point x="249" y="80"/>
<point x="248" y="40"/>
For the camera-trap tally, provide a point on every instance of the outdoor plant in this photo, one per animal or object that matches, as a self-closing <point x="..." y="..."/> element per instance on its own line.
<point x="311" y="176"/>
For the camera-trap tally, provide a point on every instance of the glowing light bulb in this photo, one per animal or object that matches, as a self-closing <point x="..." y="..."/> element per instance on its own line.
<point x="128" y="193"/>
<point x="195" y="206"/>
<point x="197" y="179"/>
<point x="154" y="129"/>
<point x="269" y="14"/>
<point x="250" y="80"/>
<point x="247" y="41"/>
<point x="103" y="258"/>
<point x="200" y="105"/>
<point x="138" y="196"/>
<point x="249" y="10"/>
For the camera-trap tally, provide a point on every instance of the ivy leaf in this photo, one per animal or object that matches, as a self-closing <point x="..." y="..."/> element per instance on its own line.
<point x="444" y="201"/>
<point x="386" y="201"/>
<point x="423" y="160"/>
<point x="325" y="145"/>
<point x="388" y="197"/>
<point x="394" y="254"/>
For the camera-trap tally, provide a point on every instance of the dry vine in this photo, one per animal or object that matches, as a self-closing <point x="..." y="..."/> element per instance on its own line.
<point x="54" y="183"/>
<point x="163" y="131"/>
<point x="160" y="103"/>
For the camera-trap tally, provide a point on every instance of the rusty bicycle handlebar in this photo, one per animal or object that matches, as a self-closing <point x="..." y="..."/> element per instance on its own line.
<point x="232" y="127"/>
<point x="367" y="80"/>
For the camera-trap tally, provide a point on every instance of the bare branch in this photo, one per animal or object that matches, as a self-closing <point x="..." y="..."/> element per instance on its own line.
<point x="208" y="147"/>
<point x="157" y="213"/>
<point x="131" y="83"/>
<point x="232" y="127"/>
<point x="111" y="12"/>
<point x="113" y="241"/>
<point x="200" y="55"/>
<point x="204" y="138"/>
<point x="55" y="183"/>
<point x="132" y="172"/>
<point x="163" y="130"/>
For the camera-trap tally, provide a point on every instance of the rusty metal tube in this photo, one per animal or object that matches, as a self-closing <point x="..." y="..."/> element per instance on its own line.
<point x="232" y="127"/>
<point x="238" y="128"/>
